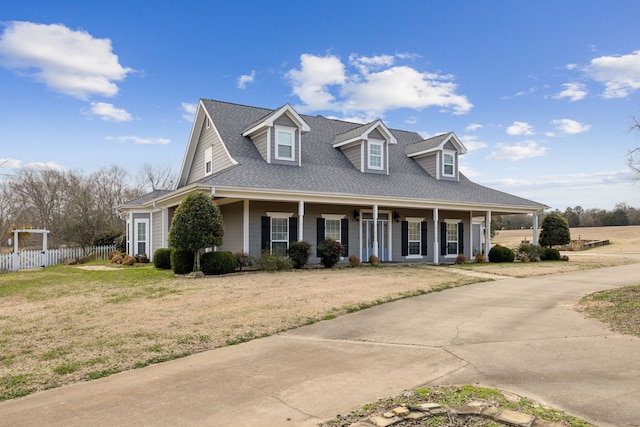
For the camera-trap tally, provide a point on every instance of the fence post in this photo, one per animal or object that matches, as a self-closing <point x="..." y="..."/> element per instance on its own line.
<point x="44" y="250"/>
<point x="16" y="255"/>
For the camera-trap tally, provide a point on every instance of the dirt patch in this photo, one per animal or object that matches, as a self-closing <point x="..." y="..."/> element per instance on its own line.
<point x="96" y="267"/>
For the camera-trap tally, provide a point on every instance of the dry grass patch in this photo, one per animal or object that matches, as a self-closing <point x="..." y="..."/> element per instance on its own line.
<point x="66" y="324"/>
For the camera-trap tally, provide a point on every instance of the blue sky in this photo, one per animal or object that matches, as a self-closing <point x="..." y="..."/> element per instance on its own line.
<point x="542" y="93"/>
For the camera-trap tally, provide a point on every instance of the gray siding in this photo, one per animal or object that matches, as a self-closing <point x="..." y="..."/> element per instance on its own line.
<point x="232" y="215"/>
<point x="397" y="235"/>
<point x="260" y="142"/>
<point x="375" y="134"/>
<point x="429" y="164"/>
<point x="156" y="233"/>
<point x="220" y="159"/>
<point x="354" y="154"/>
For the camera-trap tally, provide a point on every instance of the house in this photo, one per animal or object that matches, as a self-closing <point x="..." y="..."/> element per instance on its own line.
<point x="279" y="176"/>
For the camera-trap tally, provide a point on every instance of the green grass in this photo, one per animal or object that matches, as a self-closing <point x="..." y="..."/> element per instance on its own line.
<point x="617" y="308"/>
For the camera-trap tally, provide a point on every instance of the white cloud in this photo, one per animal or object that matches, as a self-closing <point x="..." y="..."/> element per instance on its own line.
<point x="138" y="140"/>
<point x="189" y="111"/>
<point x="573" y="91"/>
<point x="67" y="61"/>
<point x="371" y="86"/>
<point x="472" y="127"/>
<point x="520" y="128"/>
<point x="519" y="151"/>
<point x="570" y="127"/>
<point x="108" y="112"/>
<point x="9" y="163"/>
<point x="571" y="66"/>
<point x="472" y="143"/>
<point x="245" y="79"/>
<point x="620" y="74"/>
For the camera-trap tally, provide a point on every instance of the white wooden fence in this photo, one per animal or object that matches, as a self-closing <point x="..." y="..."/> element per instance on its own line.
<point x="23" y="260"/>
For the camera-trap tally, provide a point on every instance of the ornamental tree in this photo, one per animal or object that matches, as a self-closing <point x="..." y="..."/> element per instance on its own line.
<point x="196" y="224"/>
<point x="555" y="231"/>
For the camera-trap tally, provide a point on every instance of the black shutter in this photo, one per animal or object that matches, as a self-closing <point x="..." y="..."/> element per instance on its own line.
<point x="319" y="233"/>
<point x="266" y="233"/>
<point x="460" y="238"/>
<point x="404" y="227"/>
<point x="423" y="238"/>
<point x="293" y="229"/>
<point x="344" y="235"/>
<point x="443" y="238"/>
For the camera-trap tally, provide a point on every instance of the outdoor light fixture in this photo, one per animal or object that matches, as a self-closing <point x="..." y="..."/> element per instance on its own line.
<point x="356" y="214"/>
<point x="396" y="216"/>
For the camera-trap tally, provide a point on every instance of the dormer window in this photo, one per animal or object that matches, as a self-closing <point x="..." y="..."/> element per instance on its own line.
<point x="208" y="161"/>
<point x="375" y="154"/>
<point x="285" y="147"/>
<point x="448" y="165"/>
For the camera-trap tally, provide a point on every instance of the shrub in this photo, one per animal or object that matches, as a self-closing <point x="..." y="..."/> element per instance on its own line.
<point x="273" y="262"/>
<point x="299" y="253"/>
<point x="461" y="259"/>
<point x="529" y="253"/>
<point x="479" y="258"/>
<point x="501" y="254"/>
<point x="162" y="258"/>
<point x="550" y="254"/>
<point x="107" y="238"/>
<point x="182" y="261"/>
<point x="243" y="260"/>
<point x="330" y="252"/>
<point x="374" y="260"/>
<point x="120" y="243"/>
<point x="564" y="258"/>
<point x="555" y="231"/>
<point x="222" y="262"/>
<point x="354" y="261"/>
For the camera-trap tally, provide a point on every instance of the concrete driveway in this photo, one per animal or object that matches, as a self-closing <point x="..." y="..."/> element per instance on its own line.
<point x="520" y="335"/>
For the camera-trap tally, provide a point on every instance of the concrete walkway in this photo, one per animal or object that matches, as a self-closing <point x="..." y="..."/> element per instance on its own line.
<point x="520" y="335"/>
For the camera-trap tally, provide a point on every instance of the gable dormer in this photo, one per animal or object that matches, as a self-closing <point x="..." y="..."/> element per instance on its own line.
<point x="367" y="147"/>
<point x="278" y="135"/>
<point x="439" y="155"/>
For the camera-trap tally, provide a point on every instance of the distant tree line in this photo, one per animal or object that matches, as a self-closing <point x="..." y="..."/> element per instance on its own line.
<point x="77" y="209"/>
<point x="621" y="215"/>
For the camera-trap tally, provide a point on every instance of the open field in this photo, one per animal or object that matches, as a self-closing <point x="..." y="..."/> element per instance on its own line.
<point x="66" y="324"/>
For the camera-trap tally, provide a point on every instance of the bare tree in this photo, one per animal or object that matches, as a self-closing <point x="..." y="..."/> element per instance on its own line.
<point x="157" y="177"/>
<point x="633" y="159"/>
<point x="113" y="189"/>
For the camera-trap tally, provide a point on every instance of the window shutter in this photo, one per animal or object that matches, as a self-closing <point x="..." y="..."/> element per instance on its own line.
<point x="319" y="233"/>
<point x="344" y="235"/>
<point x="443" y="238"/>
<point x="293" y="229"/>
<point x="423" y="238"/>
<point x="404" y="227"/>
<point x="266" y="233"/>
<point x="460" y="238"/>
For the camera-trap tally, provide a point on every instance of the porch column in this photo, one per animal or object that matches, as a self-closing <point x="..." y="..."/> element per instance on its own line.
<point x="487" y="234"/>
<point x="470" y="246"/>
<point x="535" y="229"/>
<point x="375" y="230"/>
<point x="436" y="233"/>
<point x="129" y="234"/>
<point x="300" y="221"/>
<point x="245" y="226"/>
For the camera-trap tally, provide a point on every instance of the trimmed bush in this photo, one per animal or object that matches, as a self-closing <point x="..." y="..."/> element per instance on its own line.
<point x="330" y="252"/>
<point x="182" y="261"/>
<point x="273" y="262"/>
<point x="222" y="262"/>
<point x="550" y="254"/>
<point x="299" y="253"/>
<point x="162" y="258"/>
<point x="501" y="254"/>
<point x="354" y="261"/>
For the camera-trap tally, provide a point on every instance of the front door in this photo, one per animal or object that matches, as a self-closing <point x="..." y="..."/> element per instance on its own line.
<point x="367" y="236"/>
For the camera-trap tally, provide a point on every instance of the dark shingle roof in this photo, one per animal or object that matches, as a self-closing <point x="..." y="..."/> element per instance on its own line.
<point x="326" y="169"/>
<point x="426" y="144"/>
<point x="147" y="197"/>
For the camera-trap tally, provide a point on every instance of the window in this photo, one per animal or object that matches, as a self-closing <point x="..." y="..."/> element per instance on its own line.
<point x="332" y="229"/>
<point x="208" y="161"/>
<point x="448" y="164"/>
<point x="452" y="238"/>
<point x="415" y="234"/>
<point x="141" y="239"/>
<point x="279" y="235"/>
<point x="375" y="155"/>
<point x="207" y="123"/>
<point x="285" y="138"/>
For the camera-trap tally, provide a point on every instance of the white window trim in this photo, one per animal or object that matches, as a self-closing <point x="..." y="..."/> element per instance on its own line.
<point x="453" y="163"/>
<point x="292" y="132"/>
<point x="278" y="215"/>
<point x="334" y="217"/>
<point x="147" y="241"/>
<point x="414" y="220"/>
<point x="456" y="222"/>
<point x="208" y="159"/>
<point x="378" y="143"/>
